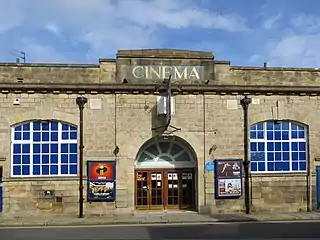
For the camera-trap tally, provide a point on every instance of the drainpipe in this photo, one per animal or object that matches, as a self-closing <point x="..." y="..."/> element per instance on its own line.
<point x="245" y="102"/>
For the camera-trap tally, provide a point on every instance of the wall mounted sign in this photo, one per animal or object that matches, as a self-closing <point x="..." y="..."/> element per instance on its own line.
<point x="101" y="180"/>
<point x="156" y="72"/>
<point x="209" y="166"/>
<point x="228" y="178"/>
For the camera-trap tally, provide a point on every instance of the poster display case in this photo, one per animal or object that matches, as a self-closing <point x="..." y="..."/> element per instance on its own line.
<point x="228" y="178"/>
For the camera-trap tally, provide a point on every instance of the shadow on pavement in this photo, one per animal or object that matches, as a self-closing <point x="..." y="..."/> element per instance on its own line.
<point x="228" y="217"/>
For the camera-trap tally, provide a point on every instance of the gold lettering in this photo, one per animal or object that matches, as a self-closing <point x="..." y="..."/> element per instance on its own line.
<point x="165" y="72"/>
<point x="134" y="72"/>
<point x="154" y="72"/>
<point x="180" y="75"/>
<point x="194" y="73"/>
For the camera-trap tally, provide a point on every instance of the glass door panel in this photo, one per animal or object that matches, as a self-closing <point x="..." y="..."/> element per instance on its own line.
<point x="187" y="190"/>
<point x="156" y="190"/>
<point x="173" y="189"/>
<point x="142" y="190"/>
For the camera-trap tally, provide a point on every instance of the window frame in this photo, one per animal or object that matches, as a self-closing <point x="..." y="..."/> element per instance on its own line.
<point x="290" y="140"/>
<point x="31" y="143"/>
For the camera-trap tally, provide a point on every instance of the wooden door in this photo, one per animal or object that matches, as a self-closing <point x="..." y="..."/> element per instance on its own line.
<point x="149" y="190"/>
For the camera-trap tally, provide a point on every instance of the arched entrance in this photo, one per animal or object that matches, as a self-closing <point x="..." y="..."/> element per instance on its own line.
<point x="165" y="175"/>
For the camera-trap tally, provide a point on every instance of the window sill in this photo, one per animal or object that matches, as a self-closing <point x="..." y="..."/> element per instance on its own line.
<point x="278" y="174"/>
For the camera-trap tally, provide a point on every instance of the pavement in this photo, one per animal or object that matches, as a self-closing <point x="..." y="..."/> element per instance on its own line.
<point x="151" y="218"/>
<point x="218" y="230"/>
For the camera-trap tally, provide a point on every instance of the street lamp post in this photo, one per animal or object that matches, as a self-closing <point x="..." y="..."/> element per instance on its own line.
<point x="245" y="102"/>
<point x="81" y="101"/>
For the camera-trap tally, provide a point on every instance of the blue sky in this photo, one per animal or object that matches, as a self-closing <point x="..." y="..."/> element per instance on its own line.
<point x="247" y="32"/>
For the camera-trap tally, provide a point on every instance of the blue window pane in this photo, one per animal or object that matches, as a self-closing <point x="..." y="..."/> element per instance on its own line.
<point x="17" y="136"/>
<point x="45" y="159"/>
<point x="277" y="135"/>
<point x="300" y="128"/>
<point x="64" y="148"/>
<point x="270" y="146"/>
<point x="65" y="127"/>
<point x="302" y="166"/>
<point x="253" y="135"/>
<point x="285" y="135"/>
<point x="73" y="148"/>
<point x="260" y="135"/>
<point x="294" y="126"/>
<point x="64" y="169"/>
<point x="277" y="146"/>
<point x="277" y="156"/>
<point x="16" y="159"/>
<point x="16" y="148"/>
<point x="302" y="156"/>
<point x="285" y="125"/>
<point x="260" y="147"/>
<point x="73" y="169"/>
<point x="54" y="148"/>
<point x="36" y="159"/>
<point x="295" y="166"/>
<point x="36" y="148"/>
<point x="54" y="169"/>
<point x="18" y="128"/>
<point x="302" y="146"/>
<point x="25" y="170"/>
<point x="254" y="166"/>
<point x="253" y="127"/>
<point x="277" y="126"/>
<point x="54" y="126"/>
<point x="26" y="127"/>
<point x="73" y="135"/>
<point x="294" y="156"/>
<point x="37" y="126"/>
<point x="269" y="135"/>
<point x="285" y="156"/>
<point x="45" y="126"/>
<point x="270" y="125"/>
<point x="294" y="134"/>
<point x="301" y="134"/>
<point x="45" y="136"/>
<point x="25" y="159"/>
<point x="285" y="146"/>
<point x="282" y="166"/>
<point x="270" y="156"/>
<point x="54" y="158"/>
<point x="64" y="158"/>
<point x="25" y="148"/>
<point x="45" y="169"/>
<point x="36" y="169"/>
<point x="26" y="136"/>
<point x="253" y="146"/>
<point x="261" y="166"/>
<point x="260" y="126"/>
<point x="54" y="136"/>
<point x="73" y="129"/>
<point x="253" y="156"/>
<point x="65" y="135"/>
<point x="294" y="146"/>
<point x="36" y="137"/>
<point x="73" y="158"/>
<point x="271" y="166"/>
<point x="17" y="170"/>
<point x="45" y="148"/>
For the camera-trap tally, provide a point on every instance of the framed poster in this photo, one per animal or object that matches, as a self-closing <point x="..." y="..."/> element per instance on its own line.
<point x="228" y="178"/>
<point x="101" y="181"/>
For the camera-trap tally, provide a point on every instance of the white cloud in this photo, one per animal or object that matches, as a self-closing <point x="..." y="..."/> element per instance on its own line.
<point x="107" y="25"/>
<point x="272" y="21"/>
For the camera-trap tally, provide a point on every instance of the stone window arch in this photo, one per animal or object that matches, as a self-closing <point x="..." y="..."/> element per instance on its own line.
<point x="165" y="153"/>
<point x="44" y="148"/>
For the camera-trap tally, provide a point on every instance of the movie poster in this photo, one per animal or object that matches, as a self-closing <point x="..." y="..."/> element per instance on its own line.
<point x="101" y="181"/>
<point x="228" y="178"/>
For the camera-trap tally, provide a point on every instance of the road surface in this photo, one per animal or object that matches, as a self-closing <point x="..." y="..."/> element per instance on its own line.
<point x="252" y="230"/>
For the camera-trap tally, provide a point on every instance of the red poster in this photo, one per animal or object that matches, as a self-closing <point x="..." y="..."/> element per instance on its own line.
<point x="101" y="171"/>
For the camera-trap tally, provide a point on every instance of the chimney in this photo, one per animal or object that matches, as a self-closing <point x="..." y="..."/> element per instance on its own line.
<point x="265" y="64"/>
<point x="17" y="60"/>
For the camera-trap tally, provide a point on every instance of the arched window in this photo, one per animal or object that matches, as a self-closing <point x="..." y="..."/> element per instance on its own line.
<point x="278" y="146"/>
<point x="44" y="148"/>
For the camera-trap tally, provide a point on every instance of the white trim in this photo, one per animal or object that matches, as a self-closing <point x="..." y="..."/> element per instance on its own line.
<point x="31" y="143"/>
<point x="290" y="140"/>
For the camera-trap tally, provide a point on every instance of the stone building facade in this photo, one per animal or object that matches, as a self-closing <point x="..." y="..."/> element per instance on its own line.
<point x="38" y="101"/>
